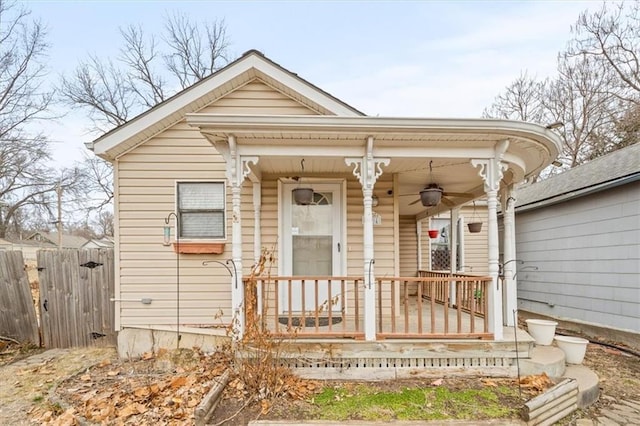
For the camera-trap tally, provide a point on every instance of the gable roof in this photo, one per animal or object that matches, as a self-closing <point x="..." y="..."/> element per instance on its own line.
<point x="250" y="66"/>
<point x="617" y="168"/>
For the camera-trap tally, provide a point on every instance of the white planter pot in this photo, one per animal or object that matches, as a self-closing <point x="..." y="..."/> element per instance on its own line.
<point x="541" y="330"/>
<point x="574" y="348"/>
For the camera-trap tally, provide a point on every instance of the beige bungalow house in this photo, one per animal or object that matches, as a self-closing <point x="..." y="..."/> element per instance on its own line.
<point x="255" y="158"/>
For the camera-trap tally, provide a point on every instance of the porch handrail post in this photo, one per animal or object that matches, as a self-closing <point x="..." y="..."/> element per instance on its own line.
<point x="491" y="170"/>
<point x="367" y="169"/>
<point x="511" y="294"/>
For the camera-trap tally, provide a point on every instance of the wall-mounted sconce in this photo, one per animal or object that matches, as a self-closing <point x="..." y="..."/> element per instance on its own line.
<point x="375" y="201"/>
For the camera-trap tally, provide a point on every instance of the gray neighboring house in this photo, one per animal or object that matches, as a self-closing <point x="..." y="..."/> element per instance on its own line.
<point x="581" y="230"/>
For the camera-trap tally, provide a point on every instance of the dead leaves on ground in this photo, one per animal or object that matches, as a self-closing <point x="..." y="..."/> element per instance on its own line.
<point x="142" y="393"/>
<point x="536" y="382"/>
<point x="136" y="392"/>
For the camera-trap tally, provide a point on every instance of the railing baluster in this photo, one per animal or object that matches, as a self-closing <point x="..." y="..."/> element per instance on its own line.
<point x="485" y="303"/>
<point x="315" y="287"/>
<point x="446" y="308"/>
<point x="276" y="302"/>
<point x="406" y="306"/>
<point x="419" y="303"/>
<point x="329" y="283"/>
<point x="356" y="285"/>
<point x="472" y="305"/>
<point x="380" y="311"/>
<point x="393" y="308"/>
<point x="289" y="303"/>
<point x="343" y="304"/>
<point x="459" y="291"/>
<point x="432" y="294"/>
<point x="303" y="296"/>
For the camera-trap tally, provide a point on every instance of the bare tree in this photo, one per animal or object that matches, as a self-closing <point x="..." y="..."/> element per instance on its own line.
<point x="96" y="177"/>
<point x="103" y="224"/>
<point x="521" y="100"/>
<point x="25" y="174"/>
<point x="575" y="98"/>
<point x="611" y="37"/>
<point x="147" y="71"/>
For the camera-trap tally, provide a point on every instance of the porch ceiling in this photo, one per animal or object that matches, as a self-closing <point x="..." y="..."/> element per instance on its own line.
<point x="411" y="144"/>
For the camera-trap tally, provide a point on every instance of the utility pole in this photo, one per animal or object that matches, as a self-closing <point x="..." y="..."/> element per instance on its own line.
<point x="59" y="192"/>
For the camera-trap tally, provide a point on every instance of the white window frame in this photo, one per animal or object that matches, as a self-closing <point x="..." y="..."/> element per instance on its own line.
<point x="178" y="212"/>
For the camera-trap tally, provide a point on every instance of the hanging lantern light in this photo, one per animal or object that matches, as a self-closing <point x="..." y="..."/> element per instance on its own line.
<point x="302" y="196"/>
<point x="431" y="195"/>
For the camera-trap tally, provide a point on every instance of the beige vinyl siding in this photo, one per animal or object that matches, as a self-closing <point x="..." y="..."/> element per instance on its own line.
<point x="146" y="195"/>
<point x="257" y="97"/>
<point x="476" y="251"/>
<point x="408" y="247"/>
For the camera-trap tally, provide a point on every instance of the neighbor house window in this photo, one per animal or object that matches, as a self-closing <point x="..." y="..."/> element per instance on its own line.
<point x="201" y="210"/>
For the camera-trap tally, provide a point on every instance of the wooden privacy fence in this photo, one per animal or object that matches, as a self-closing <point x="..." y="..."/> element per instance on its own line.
<point x="17" y="312"/>
<point x="76" y="287"/>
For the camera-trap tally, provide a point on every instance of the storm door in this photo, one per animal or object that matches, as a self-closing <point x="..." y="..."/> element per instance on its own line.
<point x="312" y="247"/>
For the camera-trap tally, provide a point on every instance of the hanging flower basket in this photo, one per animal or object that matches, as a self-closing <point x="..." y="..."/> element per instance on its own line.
<point x="474" y="227"/>
<point x="433" y="233"/>
<point x="303" y="196"/>
<point x="431" y="196"/>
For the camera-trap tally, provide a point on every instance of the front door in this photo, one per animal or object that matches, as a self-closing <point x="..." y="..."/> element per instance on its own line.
<point x="312" y="247"/>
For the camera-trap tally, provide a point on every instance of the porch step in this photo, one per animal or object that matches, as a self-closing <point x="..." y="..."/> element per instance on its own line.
<point x="588" y="384"/>
<point x="382" y="360"/>
<point x="543" y="359"/>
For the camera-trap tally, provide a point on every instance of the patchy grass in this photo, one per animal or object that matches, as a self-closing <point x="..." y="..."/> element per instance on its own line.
<point x="368" y="402"/>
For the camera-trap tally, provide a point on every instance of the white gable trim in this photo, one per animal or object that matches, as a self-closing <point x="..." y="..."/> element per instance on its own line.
<point x="255" y="61"/>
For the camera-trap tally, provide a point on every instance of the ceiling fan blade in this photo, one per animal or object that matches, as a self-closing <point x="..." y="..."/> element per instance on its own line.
<point x="414" y="202"/>
<point x="458" y="194"/>
<point x="447" y="202"/>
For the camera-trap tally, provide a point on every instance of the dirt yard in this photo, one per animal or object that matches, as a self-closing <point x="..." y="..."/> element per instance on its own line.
<point x="67" y="387"/>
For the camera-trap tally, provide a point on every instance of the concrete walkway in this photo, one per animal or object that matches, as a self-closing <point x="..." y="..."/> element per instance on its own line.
<point x="620" y="413"/>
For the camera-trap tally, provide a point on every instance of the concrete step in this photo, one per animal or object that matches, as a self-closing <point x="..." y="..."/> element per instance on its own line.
<point x="544" y="359"/>
<point x="588" y="389"/>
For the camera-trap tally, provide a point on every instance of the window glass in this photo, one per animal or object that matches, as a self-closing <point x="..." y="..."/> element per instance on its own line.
<point x="201" y="209"/>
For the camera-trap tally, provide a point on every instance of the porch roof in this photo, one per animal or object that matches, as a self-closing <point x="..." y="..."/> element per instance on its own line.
<point x="413" y="144"/>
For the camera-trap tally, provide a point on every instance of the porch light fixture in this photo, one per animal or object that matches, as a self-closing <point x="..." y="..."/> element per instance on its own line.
<point x="431" y="195"/>
<point x="375" y="201"/>
<point x="302" y="196"/>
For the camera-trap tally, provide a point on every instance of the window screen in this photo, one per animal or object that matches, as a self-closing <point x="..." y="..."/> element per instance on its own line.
<point x="201" y="209"/>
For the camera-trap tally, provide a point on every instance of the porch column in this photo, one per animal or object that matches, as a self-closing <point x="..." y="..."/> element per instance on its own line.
<point x="453" y="265"/>
<point x="257" y="231"/>
<point x="367" y="169"/>
<point x="509" y="255"/>
<point x="491" y="171"/>
<point x="236" y="172"/>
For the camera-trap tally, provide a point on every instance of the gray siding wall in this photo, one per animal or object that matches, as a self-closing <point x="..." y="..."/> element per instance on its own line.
<point x="587" y="251"/>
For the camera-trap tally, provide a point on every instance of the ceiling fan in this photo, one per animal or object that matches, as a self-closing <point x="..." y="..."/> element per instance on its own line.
<point x="432" y="194"/>
<point x="432" y="199"/>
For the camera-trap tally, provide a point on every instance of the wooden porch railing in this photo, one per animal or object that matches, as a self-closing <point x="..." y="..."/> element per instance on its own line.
<point x="337" y="312"/>
<point x="469" y="296"/>
<point x="333" y="307"/>
<point x="428" y="313"/>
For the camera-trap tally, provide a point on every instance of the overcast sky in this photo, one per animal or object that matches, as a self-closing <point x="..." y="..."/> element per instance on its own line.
<point x="429" y="59"/>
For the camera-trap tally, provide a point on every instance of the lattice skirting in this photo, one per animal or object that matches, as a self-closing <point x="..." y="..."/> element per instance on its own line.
<point x="307" y="363"/>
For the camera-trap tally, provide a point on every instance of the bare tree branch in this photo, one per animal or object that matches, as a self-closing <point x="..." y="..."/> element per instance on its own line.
<point x="146" y="72"/>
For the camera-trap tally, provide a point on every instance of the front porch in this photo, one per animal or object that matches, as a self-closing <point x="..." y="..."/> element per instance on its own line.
<point x="432" y="325"/>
